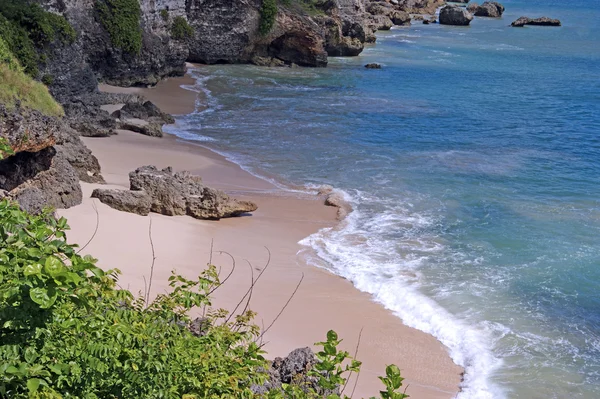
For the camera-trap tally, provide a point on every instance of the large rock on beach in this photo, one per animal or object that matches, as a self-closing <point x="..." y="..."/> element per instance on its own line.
<point x="542" y="21"/>
<point x="490" y="9"/>
<point x="453" y="15"/>
<point x="138" y="202"/>
<point x="184" y="194"/>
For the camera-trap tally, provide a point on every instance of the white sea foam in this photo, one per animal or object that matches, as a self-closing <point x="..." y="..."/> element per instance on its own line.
<point x="358" y="251"/>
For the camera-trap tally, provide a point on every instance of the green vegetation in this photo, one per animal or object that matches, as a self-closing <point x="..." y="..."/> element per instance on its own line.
<point x="5" y="148"/>
<point x="121" y="19"/>
<point x="28" y="29"/>
<point x="268" y="13"/>
<point x="16" y="86"/>
<point x="68" y="331"/>
<point x="181" y="29"/>
<point x="164" y="14"/>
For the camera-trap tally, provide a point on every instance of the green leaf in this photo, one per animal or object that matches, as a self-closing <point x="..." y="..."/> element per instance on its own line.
<point x="33" y="384"/>
<point x="332" y="335"/>
<point x="34" y="253"/>
<point x="392" y="371"/>
<point x="330" y="349"/>
<point x="43" y="297"/>
<point x="31" y="270"/>
<point x="54" y="266"/>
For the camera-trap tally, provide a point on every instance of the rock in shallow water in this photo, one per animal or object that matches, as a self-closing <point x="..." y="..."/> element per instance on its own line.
<point x="542" y="21"/>
<point x="453" y="15"/>
<point x="373" y="65"/>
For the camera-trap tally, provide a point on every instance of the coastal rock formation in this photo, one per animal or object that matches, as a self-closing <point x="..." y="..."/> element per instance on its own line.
<point x="542" y="21"/>
<point x="373" y="65"/>
<point x="37" y="180"/>
<point x="490" y="9"/>
<point x="184" y="194"/>
<point x="453" y="15"/>
<point x="138" y="202"/>
<point x="49" y="160"/>
<point x="336" y="199"/>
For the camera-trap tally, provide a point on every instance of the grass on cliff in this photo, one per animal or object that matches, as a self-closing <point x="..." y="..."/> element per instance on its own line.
<point x="121" y="19"/>
<point x="16" y="87"/>
<point x="69" y="331"/>
<point x="27" y="29"/>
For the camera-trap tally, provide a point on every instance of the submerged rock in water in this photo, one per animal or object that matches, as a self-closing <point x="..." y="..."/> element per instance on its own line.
<point x="542" y="21"/>
<point x="373" y="65"/>
<point x="453" y="15"/>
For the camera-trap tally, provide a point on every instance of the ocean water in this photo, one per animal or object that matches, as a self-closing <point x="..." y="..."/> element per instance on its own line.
<point x="472" y="160"/>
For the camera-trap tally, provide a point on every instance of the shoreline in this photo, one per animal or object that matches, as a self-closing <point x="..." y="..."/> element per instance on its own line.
<point x="282" y="220"/>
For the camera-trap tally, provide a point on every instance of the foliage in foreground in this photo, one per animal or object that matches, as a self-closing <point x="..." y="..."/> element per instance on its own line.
<point x="121" y="19"/>
<point x="68" y="331"/>
<point x="18" y="87"/>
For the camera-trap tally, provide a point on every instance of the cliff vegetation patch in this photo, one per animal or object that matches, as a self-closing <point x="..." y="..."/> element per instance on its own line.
<point x="17" y="88"/>
<point x="27" y="29"/>
<point x="121" y="19"/>
<point x="181" y="29"/>
<point x="268" y="13"/>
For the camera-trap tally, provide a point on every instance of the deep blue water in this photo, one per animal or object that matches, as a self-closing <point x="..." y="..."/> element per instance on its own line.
<point x="472" y="160"/>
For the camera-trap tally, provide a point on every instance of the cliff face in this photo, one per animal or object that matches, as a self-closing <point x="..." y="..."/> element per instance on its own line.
<point x="223" y="31"/>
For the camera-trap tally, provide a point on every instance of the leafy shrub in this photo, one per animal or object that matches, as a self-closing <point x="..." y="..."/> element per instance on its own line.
<point x="67" y="330"/>
<point x="16" y="86"/>
<point x="181" y="29"/>
<point x="48" y="80"/>
<point x="164" y="14"/>
<point x="28" y="29"/>
<point x="5" y="148"/>
<point x="268" y="12"/>
<point x="121" y="19"/>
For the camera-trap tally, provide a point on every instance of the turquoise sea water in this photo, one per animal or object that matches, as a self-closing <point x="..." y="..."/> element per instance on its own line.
<point x="472" y="160"/>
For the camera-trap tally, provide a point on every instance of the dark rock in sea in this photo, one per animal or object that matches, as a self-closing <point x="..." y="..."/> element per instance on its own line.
<point x="490" y="9"/>
<point x="460" y="1"/>
<point x="400" y="17"/>
<point x="267" y="61"/>
<point x="138" y="202"/>
<point x="373" y="65"/>
<point x="472" y="7"/>
<point x="425" y="22"/>
<point x="454" y="15"/>
<point x="542" y="21"/>
<point x="184" y="194"/>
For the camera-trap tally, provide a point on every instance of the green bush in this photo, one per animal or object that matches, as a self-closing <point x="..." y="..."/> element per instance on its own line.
<point x="16" y="86"/>
<point x="68" y="331"/>
<point x="268" y="13"/>
<point x="28" y="29"/>
<point x="181" y="29"/>
<point x="121" y="19"/>
<point x="164" y="14"/>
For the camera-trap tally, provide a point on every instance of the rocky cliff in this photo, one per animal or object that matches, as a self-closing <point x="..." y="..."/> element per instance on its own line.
<point x="305" y="32"/>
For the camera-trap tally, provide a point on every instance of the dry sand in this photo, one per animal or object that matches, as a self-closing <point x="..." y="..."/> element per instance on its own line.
<point x="323" y="301"/>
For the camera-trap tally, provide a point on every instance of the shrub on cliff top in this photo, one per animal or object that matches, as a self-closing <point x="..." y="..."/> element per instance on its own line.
<point x="180" y="29"/>
<point x="121" y="19"/>
<point x="68" y="331"/>
<point x="28" y="29"/>
<point x="268" y="13"/>
<point x="16" y="86"/>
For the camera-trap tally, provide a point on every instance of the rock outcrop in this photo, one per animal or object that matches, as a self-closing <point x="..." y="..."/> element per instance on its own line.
<point x="138" y="202"/>
<point x="490" y="9"/>
<point x="168" y="193"/>
<point x="542" y="21"/>
<point x="49" y="160"/>
<point x="453" y="15"/>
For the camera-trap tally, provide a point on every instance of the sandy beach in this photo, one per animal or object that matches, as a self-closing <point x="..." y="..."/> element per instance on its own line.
<point x="323" y="301"/>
